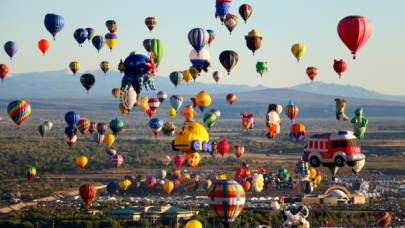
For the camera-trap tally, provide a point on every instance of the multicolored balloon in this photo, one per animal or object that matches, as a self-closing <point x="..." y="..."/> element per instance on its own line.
<point x="217" y="75"/>
<point x="194" y="72"/>
<point x="83" y="125"/>
<point x="101" y="128"/>
<point x="238" y="150"/>
<point x="231" y="98"/>
<point x="231" y="23"/>
<point x="146" y="44"/>
<point x="116" y="126"/>
<point x="3" y="71"/>
<point x="70" y="141"/>
<point x="166" y="160"/>
<point x="87" y="193"/>
<point x="245" y="11"/>
<point x="176" y="77"/>
<point x="291" y="110"/>
<point x="155" y="125"/>
<point x="209" y="119"/>
<point x="382" y="219"/>
<point x="19" y="111"/>
<point x="80" y="35"/>
<point x="354" y="31"/>
<point x="298" y="131"/>
<point x="30" y="172"/>
<point x="198" y="38"/>
<point x="11" y="48"/>
<point x="93" y="127"/>
<point x="212" y="34"/>
<point x="111" y="40"/>
<point x="111" y="25"/>
<point x="116" y="93"/>
<point x="216" y="112"/>
<point x="74" y="67"/>
<point x="298" y="50"/>
<point x="48" y="125"/>
<point x="98" y="42"/>
<point x="200" y="61"/>
<point x="117" y="160"/>
<point x="111" y="151"/>
<point x="124" y="184"/>
<point x="162" y="95"/>
<point x="202" y="100"/>
<point x="91" y="33"/>
<point x="105" y="66"/>
<point x="98" y="138"/>
<point x="150" y="22"/>
<point x="176" y="101"/>
<point x="229" y="59"/>
<point x="312" y="72"/>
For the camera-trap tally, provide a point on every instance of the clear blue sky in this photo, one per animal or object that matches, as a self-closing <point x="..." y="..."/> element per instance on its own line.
<point x="282" y="23"/>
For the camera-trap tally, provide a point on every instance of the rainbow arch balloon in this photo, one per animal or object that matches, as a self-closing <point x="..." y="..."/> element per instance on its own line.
<point x="19" y="111"/>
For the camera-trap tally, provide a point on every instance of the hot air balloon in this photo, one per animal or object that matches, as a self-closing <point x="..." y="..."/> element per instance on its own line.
<point x="340" y="67"/>
<point x="212" y="34"/>
<point x="70" y="132"/>
<point x="72" y="118"/>
<point x="43" y="45"/>
<point x="109" y="140"/>
<point x="98" y="42"/>
<point x="111" y="40"/>
<point x="358" y="166"/>
<point x="143" y="104"/>
<point x="70" y="141"/>
<point x="274" y="107"/>
<point x="146" y="44"/>
<point x="48" y="125"/>
<point x="124" y="184"/>
<point x="382" y="219"/>
<point x="3" y="71"/>
<point x="200" y="61"/>
<point x="273" y="124"/>
<point x="175" y="174"/>
<point x="225" y="205"/>
<point x="209" y="119"/>
<point x="202" y="100"/>
<point x="298" y="50"/>
<point x="261" y="67"/>
<point x="153" y="104"/>
<point x="238" y="150"/>
<point x="166" y="160"/>
<point x="93" y="127"/>
<point x="229" y="59"/>
<point x="340" y="109"/>
<point x="245" y="11"/>
<point x="188" y="112"/>
<point x="42" y="129"/>
<point x="111" y="188"/>
<point x="169" y="129"/>
<point x="178" y="161"/>
<point x="171" y="112"/>
<point x="74" y="67"/>
<point x="150" y="181"/>
<point x="231" y="98"/>
<point x="231" y="23"/>
<point x="191" y="185"/>
<point x="291" y="110"/>
<point x="123" y="110"/>
<point x="298" y="131"/>
<point x="101" y="128"/>
<point x="117" y="160"/>
<point x="128" y="98"/>
<point x="247" y="121"/>
<point x="116" y="126"/>
<point x="99" y="138"/>
<point x="312" y="72"/>
<point x="111" y="151"/>
<point x="187" y="76"/>
<point x="176" y="77"/>
<point x="354" y="31"/>
<point x="223" y="147"/>
<point x="194" y="72"/>
<point x="87" y="80"/>
<point x="87" y="193"/>
<point x="111" y="25"/>
<point x="11" y="48"/>
<point x="198" y="38"/>
<point x="156" y="47"/>
<point x="19" y="111"/>
<point x="150" y="112"/>
<point x="254" y="40"/>
<point x="162" y="95"/>
<point x="217" y="75"/>
<point x="116" y="93"/>
<point x="105" y="66"/>
<point x="80" y="35"/>
<point x="150" y="22"/>
<point x="54" y="24"/>
<point x="83" y="125"/>
<point x="206" y="184"/>
<point x="216" y="112"/>
<point x="155" y="125"/>
<point x="222" y="9"/>
<point x="168" y="186"/>
<point x="81" y="161"/>
<point x="90" y="33"/>
<point x="30" y="172"/>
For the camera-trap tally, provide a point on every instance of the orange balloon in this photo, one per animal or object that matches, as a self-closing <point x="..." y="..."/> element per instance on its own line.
<point x="43" y="45"/>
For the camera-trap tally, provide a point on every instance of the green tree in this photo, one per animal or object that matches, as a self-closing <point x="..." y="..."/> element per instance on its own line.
<point x="144" y="223"/>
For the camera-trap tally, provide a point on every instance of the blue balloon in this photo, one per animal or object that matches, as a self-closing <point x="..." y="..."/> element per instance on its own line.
<point x="162" y="95"/>
<point x="198" y="38"/>
<point x="81" y="35"/>
<point x="72" y="118"/>
<point x="155" y="123"/>
<point x="222" y="9"/>
<point x="54" y="24"/>
<point x="136" y="73"/>
<point x="98" y="42"/>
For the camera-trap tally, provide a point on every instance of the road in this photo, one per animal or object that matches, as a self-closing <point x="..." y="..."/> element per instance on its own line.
<point x="16" y="207"/>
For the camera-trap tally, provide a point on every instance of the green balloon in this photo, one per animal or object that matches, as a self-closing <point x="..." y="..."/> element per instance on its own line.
<point x="116" y="126"/>
<point x="156" y="47"/>
<point x="261" y="67"/>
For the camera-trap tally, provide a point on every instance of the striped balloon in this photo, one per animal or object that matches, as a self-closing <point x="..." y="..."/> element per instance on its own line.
<point x="98" y="42"/>
<point x="231" y="23"/>
<point x="153" y="104"/>
<point x="229" y="59"/>
<point x="166" y="160"/>
<point x="238" y="150"/>
<point x="150" y="22"/>
<point x="382" y="219"/>
<point x="150" y="181"/>
<point x="98" y="138"/>
<point x="209" y="119"/>
<point x="105" y="67"/>
<point x="217" y="75"/>
<point x="11" y="48"/>
<point x="212" y="34"/>
<point x="124" y="184"/>
<point x="146" y="44"/>
<point x="116" y="93"/>
<point x="231" y="98"/>
<point x="200" y="61"/>
<point x="176" y="77"/>
<point x="312" y="72"/>
<point x="30" y="172"/>
<point x="74" y="67"/>
<point x="176" y="101"/>
<point x="117" y="160"/>
<point x="19" y="111"/>
<point x="91" y="33"/>
<point x="291" y="111"/>
<point x="198" y="38"/>
<point x="111" y="25"/>
<point x="155" y="125"/>
<point x="191" y="185"/>
<point x="101" y="128"/>
<point x="245" y="11"/>
<point x="162" y="95"/>
<point x="194" y="72"/>
<point x="3" y="71"/>
<point x="111" y="40"/>
<point x="216" y="112"/>
<point x="83" y="125"/>
<point x="226" y="199"/>
<point x="111" y="151"/>
<point x="42" y="129"/>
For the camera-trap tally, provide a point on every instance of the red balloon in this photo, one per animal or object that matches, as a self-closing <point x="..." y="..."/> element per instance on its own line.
<point x="87" y="192"/>
<point x="223" y="147"/>
<point x="246" y="185"/>
<point x="150" y="112"/>
<point x="340" y="67"/>
<point x="43" y="45"/>
<point x="3" y="71"/>
<point x="354" y="31"/>
<point x="178" y="161"/>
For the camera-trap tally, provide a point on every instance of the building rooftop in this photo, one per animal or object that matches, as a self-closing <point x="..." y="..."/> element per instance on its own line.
<point x="176" y="210"/>
<point x="151" y="210"/>
<point x="124" y="211"/>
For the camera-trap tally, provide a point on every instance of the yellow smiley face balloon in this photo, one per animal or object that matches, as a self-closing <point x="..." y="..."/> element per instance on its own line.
<point x="191" y="137"/>
<point x="193" y="159"/>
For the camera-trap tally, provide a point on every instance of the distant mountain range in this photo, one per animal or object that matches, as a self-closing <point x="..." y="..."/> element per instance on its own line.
<point x="62" y="84"/>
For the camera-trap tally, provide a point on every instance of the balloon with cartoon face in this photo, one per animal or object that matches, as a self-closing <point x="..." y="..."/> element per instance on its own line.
<point x="136" y="72"/>
<point x="193" y="159"/>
